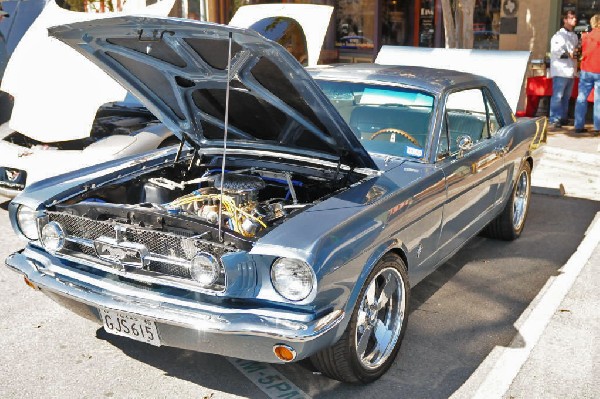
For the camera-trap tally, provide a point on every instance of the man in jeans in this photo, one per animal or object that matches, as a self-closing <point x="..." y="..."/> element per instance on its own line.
<point x="563" y="67"/>
<point x="589" y="76"/>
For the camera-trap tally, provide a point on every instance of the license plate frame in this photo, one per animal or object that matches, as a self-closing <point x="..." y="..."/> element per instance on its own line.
<point x="129" y="325"/>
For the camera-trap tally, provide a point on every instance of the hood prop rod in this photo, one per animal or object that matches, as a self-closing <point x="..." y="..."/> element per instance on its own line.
<point x="225" y="139"/>
<point x="179" y="151"/>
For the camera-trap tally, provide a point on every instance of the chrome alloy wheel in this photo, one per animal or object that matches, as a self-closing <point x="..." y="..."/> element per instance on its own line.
<point x="520" y="200"/>
<point x="380" y="316"/>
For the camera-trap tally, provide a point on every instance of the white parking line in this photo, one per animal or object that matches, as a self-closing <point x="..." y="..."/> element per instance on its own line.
<point x="274" y="384"/>
<point x="531" y="324"/>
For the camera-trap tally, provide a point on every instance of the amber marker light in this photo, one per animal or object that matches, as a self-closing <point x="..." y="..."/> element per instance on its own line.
<point x="29" y="283"/>
<point x="284" y="352"/>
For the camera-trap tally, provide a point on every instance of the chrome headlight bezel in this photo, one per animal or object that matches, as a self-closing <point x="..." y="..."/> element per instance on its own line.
<point x="293" y="279"/>
<point x="206" y="263"/>
<point x="53" y="231"/>
<point x="26" y="219"/>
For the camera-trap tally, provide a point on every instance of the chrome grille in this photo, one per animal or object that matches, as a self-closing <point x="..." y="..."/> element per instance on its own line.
<point x="161" y="243"/>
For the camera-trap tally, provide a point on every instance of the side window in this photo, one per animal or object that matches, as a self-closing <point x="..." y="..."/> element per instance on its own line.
<point x="468" y="113"/>
<point x="493" y="124"/>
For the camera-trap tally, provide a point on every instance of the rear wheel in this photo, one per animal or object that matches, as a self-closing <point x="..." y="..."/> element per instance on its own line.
<point x="509" y="224"/>
<point x="372" y="338"/>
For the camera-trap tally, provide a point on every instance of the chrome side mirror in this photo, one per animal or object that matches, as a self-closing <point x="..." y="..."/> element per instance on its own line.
<point x="464" y="143"/>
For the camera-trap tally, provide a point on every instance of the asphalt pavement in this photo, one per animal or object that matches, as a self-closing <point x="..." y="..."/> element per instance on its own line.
<point x="556" y="351"/>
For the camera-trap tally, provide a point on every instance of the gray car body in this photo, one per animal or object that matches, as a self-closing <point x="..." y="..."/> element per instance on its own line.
<point x="422" y="209"/>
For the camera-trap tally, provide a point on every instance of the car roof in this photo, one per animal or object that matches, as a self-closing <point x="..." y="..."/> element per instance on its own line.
<point x="429" y="79"/>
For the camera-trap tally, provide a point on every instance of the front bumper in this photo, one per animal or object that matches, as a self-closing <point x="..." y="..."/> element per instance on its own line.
<point x="183" y="323"/>
<point x="8" y="193"/>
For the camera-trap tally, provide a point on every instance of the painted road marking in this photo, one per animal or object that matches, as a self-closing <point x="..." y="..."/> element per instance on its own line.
<point x="534" y="320"/>
<point x="274" y="384"/>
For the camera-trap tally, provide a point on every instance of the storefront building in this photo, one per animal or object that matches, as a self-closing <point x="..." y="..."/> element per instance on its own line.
<point x="360" y="27"/>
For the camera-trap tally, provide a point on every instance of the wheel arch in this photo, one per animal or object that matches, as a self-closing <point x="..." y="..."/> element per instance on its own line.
<point x="391" y="246"/>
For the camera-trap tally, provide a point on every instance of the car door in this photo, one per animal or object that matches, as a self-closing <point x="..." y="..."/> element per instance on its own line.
<point x="470" y="154"/>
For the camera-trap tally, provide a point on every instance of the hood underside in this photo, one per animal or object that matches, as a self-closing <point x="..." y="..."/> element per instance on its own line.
<point x="179" y="70"/>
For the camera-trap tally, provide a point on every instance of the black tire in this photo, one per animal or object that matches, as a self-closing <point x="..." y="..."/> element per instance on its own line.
<point x="342" y="360"/>
<point x="506" y="226"/>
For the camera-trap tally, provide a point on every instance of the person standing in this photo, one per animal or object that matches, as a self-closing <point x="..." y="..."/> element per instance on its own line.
<point x="563" y="67"/>
<point x="589" y="76"/>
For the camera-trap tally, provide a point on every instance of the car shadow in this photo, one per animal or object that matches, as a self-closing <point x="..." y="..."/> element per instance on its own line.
<point x="203" y="369"/>
<point x="4" y="205"/>
<point x="458" y="314"/>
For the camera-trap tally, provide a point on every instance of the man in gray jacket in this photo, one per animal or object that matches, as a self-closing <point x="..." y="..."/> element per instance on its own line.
<point x="564" y="52"/>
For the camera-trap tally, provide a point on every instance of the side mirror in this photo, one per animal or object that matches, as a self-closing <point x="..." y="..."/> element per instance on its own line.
<point x="464" y="143"/>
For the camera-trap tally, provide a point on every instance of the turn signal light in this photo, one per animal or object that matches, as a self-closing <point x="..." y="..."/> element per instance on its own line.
<point x="284" y="352"/>
<point x="29" y="283"/>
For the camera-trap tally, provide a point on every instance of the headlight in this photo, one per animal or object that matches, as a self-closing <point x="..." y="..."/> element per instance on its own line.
<point x="205" y="269"/>
<point x="53" y="237"/>
<point x="27" y="221"/>
<point x="292" y="278"/>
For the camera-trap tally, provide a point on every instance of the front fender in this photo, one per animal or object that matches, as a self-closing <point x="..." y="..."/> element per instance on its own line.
<point x="376" y="255"/>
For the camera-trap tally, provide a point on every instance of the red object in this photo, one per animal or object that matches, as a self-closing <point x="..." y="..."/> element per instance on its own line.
<point x="590" y="48"/>
<point x="539" y="86"/>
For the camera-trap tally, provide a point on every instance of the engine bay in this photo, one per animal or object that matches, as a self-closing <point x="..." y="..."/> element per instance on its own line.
<point x="242" y="204"/>
<point x="201" y="198"/>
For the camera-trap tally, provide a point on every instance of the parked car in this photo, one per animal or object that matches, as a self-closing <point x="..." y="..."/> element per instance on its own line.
<point x="20" y="16"/>
<point x="293" y="228"/>
<point x="72" y="114"/>
<point x="15" y="18"/>
<point x="355" y="42"/>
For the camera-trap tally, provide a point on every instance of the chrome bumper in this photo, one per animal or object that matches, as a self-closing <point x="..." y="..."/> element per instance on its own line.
<point x="9" y="192"/>
<point x="181" y="322"/>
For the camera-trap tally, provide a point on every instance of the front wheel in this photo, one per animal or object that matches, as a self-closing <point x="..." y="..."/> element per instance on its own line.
<point x="509" y="224"/>
<point x="372" y="338"/>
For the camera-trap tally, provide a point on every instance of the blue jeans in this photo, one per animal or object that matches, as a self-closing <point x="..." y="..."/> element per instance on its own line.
<point x="559" y="102"/>
<point x="587" y="80"/>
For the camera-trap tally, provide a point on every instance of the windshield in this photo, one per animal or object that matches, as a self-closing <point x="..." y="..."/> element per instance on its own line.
<point x="386" y="119"/>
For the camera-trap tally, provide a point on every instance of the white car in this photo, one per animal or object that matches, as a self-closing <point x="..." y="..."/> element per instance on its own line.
<point x="53" y="127"/>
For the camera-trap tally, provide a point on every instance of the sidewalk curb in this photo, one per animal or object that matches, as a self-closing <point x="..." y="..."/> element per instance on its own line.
<point x="549" y="191"/>
<point x="497" y="372"/>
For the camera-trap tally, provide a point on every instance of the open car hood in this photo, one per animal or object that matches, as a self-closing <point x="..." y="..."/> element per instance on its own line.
<point x="178" y="69"/>
<point x="56" y="91"/>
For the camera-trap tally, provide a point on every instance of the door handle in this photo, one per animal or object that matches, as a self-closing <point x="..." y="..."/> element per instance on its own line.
<point x="501" y="150"/>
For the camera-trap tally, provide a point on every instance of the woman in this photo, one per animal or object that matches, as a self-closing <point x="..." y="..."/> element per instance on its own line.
<point x="589" y="76"/>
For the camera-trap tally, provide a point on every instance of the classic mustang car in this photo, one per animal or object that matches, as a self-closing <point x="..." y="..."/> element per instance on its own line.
<point x="299" y="209"/>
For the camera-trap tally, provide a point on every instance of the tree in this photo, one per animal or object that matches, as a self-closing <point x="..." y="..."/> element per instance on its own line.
<point x="458" y="22"/>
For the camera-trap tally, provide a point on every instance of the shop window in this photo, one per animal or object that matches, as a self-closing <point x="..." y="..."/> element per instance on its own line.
<point x="355" y="24"/>
<point x="486" y="24"/>
<point x="584" y="9"/>
<point x="395" y="29"/>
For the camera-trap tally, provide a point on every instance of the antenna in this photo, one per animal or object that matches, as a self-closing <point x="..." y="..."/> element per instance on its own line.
<point x="225" y="139"/>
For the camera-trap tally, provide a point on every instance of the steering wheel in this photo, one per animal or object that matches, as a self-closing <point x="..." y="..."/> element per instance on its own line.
<point x="401" y="132"/>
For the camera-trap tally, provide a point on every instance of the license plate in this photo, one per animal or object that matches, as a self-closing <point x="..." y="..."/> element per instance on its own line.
<point x="128" y="325"/>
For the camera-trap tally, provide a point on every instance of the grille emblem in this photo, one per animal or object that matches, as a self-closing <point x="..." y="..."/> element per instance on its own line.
<point x="121" y="252"/>
<point x="12" y="175"/>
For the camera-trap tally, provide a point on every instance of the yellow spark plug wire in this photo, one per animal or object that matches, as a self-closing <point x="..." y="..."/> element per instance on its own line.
<point x="229" y="207"/>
